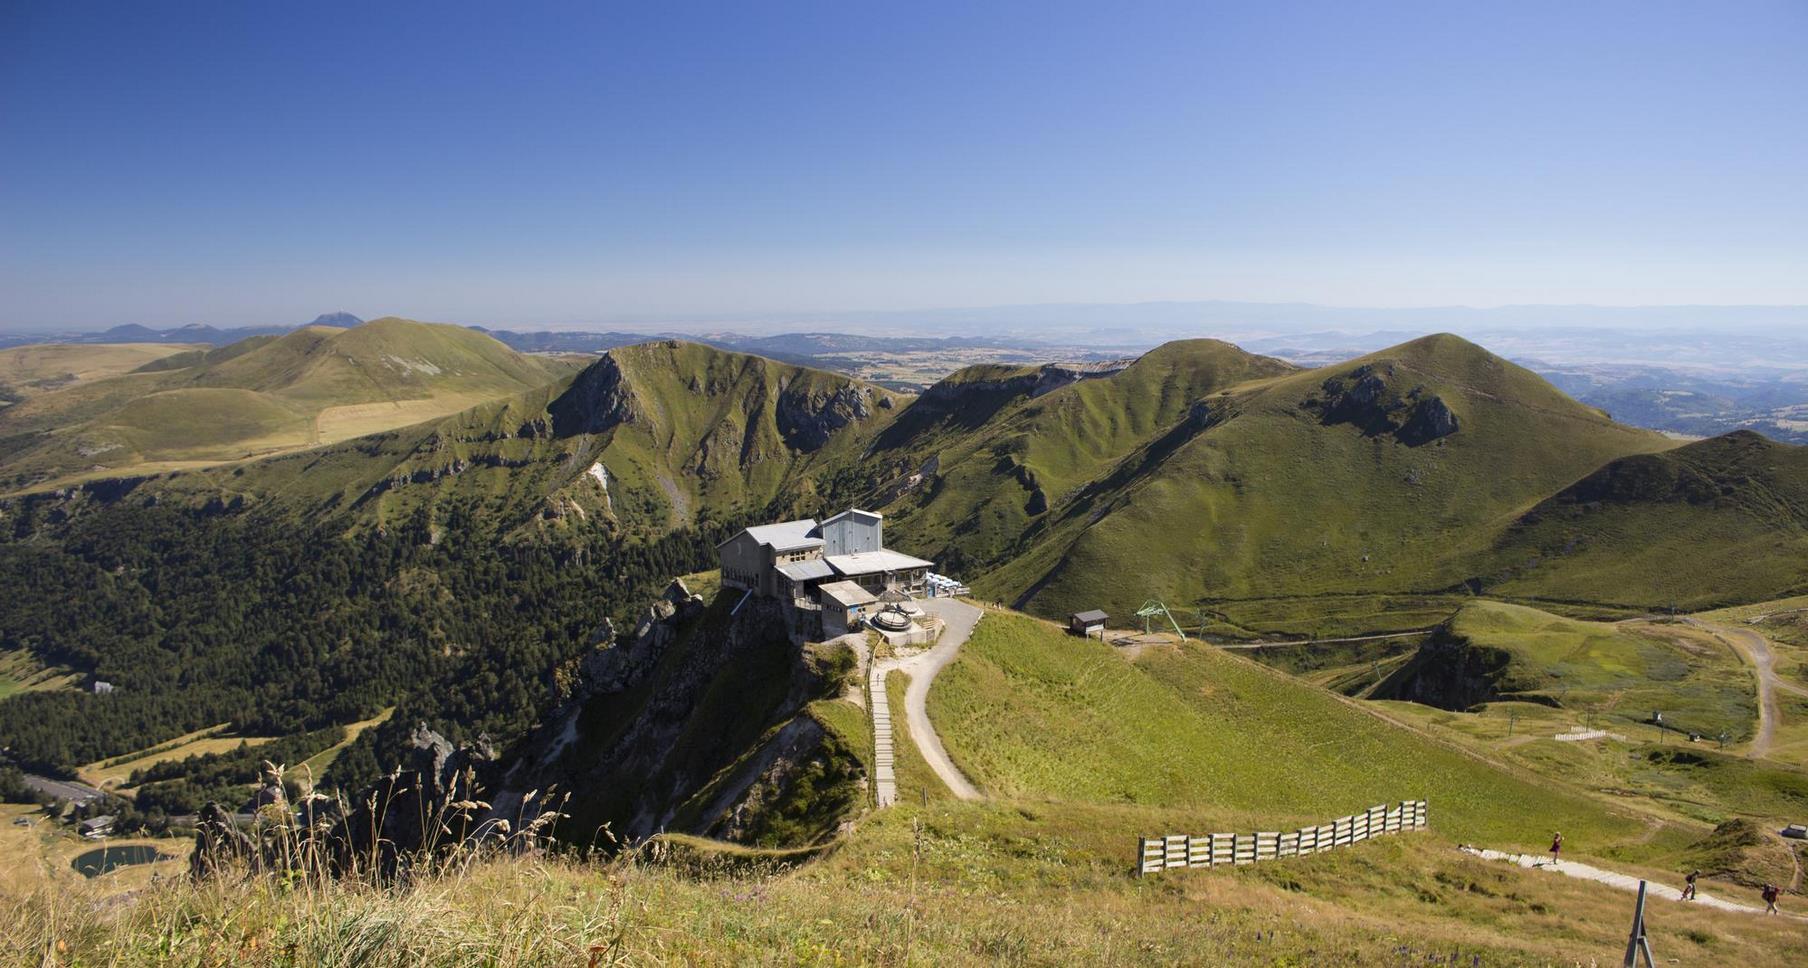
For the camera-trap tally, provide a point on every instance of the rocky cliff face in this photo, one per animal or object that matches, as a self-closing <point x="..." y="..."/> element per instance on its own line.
<point x="1372" y="399"/>
<point x="806" y="418"/>
<point x="1450" y="672"/>
<point x="1044" y="379"/>
<point x="598" y="400"/>
<point x="692" y="723"/>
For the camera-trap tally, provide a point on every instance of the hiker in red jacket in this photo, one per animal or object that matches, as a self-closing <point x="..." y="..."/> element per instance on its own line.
<point x="1556" y="847"/>
<point x="1769" y="894"/>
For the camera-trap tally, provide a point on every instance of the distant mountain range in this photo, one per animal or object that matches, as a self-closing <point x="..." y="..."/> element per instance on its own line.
<point x="192" y="333"/>
<point x="1683" y="374"/>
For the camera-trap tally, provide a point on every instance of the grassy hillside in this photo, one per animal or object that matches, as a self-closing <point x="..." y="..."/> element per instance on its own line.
<point x="719" y="431"/>
<point x="1031" y="713"/>
<point x="258" y="397"/>
<point x="649" y="439"/>
<point x="1005" y="455"/>
<point x="1734" y="508"/>
<point x="27" y="371"/>
<point x="953" y="885"/>
<point x="1320" y="482"/>
<point x="1490" y="651"/>
<point x="596" y="490"/>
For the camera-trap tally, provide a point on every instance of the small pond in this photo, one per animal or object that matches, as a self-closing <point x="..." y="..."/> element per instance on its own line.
<point x="103" y="859"/>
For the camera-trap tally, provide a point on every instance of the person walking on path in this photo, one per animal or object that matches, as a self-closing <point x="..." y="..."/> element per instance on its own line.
<point x="1688" y="886"/>
<point x="1769" y="894"/>
<point x="1556" y="847"/>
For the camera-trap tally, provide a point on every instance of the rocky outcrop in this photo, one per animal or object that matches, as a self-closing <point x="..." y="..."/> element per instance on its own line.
<point x="807" y="418"/>
<point x="1044" y="379"/>
<point x="692" y="723"/>
<point x="1451" y="672"/>
<point x="597" y="401"/>
<point x="430" y="803"/>
<point x="1369" y="399"/>
<point x="1431" y="419"/>
<point x="221" y="847"/>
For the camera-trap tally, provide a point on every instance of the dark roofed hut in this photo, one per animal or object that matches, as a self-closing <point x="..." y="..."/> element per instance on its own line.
<point x="1088" y="624"/>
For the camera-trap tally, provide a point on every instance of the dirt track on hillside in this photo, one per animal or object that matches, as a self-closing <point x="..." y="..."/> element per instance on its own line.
<point x="1756" y="650"/>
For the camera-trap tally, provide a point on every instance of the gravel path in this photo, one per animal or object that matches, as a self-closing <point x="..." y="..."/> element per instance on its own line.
<point x="1625" y="882"/>
<point x="959" y="619"/>
<point x="1756" y="649"/>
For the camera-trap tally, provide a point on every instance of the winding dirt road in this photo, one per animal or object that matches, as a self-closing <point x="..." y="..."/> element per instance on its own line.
<point x="1756" y="650"/>
<point x="959" y="619"/>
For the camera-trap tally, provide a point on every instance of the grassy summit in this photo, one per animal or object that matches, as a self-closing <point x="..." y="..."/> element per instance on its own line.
<point x="1322" y="482"/>
<point x="264" y="395"/>
<point x="1006" y="455"/>
<point x="1707" y="524"/>
<point x="27" y="371"/>
<point x="650" y="439"/>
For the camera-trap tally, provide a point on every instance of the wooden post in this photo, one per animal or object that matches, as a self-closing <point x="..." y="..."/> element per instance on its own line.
<point x="1174" y="851"/>
<point x="1246" y="849"/>
<point x="1150" y="854"/>
<point x="1224" y="849"/>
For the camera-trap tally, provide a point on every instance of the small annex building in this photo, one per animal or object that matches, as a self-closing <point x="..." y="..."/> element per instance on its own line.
<point x="798" y="562"/>
<point x="1088" y="624"/>
<point x="844" y="604"/>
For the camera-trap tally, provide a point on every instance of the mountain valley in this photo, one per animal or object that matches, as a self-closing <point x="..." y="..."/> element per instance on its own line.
<point x="473" y="587"/>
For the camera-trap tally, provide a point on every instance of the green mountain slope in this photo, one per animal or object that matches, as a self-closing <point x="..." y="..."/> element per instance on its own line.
<point x="649" y="439"/>
<point x="1003" y="445"/>
<point x="264" y="395"/>
<point x="1030" y="713"/>
<point x="1393" y="472"/>
<point x="1714" y="522"/>
<point x="1492" y="651"/>
<point x="578" y="495"/>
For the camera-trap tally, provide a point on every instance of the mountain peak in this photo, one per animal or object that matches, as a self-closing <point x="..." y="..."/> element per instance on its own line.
<point x="340" y="319"/>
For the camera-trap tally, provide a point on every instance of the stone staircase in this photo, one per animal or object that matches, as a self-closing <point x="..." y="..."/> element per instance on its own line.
<point x="885" y="782"/>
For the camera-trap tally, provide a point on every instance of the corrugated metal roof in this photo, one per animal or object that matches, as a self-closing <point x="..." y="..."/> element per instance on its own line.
<point x="870" y="562"/>
<point x="1089" y="618"/>
<point x="869" y="515"/>
<point x="806" y="570"/>
<point x="788" y="535"/>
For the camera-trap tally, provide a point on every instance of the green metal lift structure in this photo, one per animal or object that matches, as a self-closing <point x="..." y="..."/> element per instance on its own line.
<point x="1153" y="609"/>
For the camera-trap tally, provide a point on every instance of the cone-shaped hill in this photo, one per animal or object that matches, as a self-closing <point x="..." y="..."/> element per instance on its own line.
<point x="1392" y="472"/>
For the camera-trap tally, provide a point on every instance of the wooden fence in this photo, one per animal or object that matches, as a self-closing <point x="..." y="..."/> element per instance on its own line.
<point x="1155" y="854"/>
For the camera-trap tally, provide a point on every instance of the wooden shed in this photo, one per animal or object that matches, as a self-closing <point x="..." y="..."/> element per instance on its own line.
<point x="1088" y="623"/>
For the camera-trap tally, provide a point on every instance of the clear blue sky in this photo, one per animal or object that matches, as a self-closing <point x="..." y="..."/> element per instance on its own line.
<point x="251" y="162"/>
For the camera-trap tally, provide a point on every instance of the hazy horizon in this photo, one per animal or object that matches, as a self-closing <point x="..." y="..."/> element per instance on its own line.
<point x="1078" y="318"/>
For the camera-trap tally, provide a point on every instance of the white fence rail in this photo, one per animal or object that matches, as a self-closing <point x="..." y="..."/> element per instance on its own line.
<point x="1156" y="854"/>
